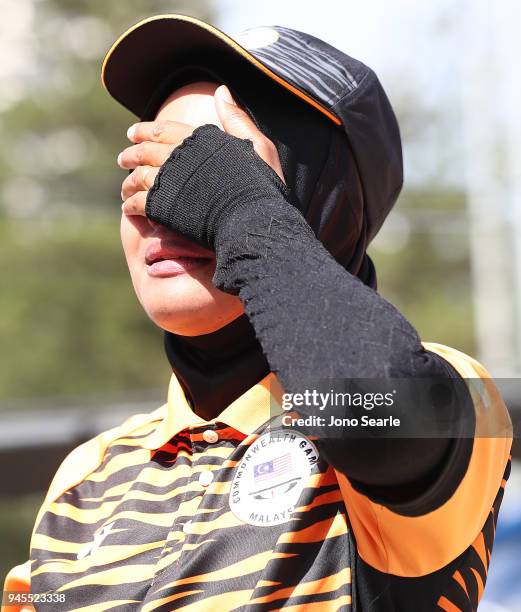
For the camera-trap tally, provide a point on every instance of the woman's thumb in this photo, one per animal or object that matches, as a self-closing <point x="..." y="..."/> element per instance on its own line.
<point x="234" y="120"/>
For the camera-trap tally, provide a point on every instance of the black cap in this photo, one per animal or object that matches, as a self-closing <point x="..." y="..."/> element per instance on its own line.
<point x="340" y="87"/>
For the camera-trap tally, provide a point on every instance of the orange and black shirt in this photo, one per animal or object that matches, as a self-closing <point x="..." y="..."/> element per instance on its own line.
<point x="169" y="512"/>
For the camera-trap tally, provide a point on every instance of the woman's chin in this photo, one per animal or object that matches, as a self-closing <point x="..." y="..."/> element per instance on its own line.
<point x="194" y="317"/>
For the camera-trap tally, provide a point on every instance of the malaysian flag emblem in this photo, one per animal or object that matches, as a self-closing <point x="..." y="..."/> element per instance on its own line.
<point x="272" y="468"/>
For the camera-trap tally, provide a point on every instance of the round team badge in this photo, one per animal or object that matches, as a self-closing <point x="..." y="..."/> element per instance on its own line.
<point x="271" y="476"/>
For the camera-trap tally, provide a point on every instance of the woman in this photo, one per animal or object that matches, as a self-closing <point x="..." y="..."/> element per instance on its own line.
<point x="246" y="218"/>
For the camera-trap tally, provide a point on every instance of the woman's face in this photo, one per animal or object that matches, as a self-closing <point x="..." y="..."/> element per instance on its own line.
<point x="177" y="293"/>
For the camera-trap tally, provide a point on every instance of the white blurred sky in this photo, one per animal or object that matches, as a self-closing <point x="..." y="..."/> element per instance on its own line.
<point x="413" y="46"/>
<point x="421" y="52"/>
<point x="412" y="36"/>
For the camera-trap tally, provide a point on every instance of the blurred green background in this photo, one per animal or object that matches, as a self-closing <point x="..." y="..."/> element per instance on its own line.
<point x="70" y="325"/>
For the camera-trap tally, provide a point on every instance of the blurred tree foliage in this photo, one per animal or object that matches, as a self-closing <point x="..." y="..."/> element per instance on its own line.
<point x="422" y="263"/>
<point x="61" y="138"/>
<point x="16" y="524"/>
<point x="70" y="323"/>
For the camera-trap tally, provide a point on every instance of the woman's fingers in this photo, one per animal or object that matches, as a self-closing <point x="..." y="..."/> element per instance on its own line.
<point x="135" y="205"/>
<point x="141" y="179"/>
<point x="145" y="154"/>
<point x="169" y="132"/>
<point x="154" y="143"/>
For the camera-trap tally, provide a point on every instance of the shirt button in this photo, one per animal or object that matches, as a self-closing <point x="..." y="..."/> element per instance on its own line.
<point x="205" y="478"/>
<point x="210" y="436"/>
<point x="187" y="526"/>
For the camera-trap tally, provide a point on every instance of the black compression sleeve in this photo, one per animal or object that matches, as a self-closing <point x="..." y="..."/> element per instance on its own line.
<point x="310" y="315"/>
<point x="194" y="191"/>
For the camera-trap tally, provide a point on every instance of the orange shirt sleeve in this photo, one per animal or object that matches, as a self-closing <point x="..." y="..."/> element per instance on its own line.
<point x="413" y="546"/>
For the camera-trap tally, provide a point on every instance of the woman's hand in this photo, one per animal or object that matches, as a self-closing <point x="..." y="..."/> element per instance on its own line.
<point x="154" y="141"/>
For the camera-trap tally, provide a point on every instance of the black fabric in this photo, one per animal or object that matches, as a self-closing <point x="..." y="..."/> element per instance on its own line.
<point x="316" y="158"/>
<point x="323" y="178"/>
<point x="215" y="369"/>
<point x="136" y="67"/>
<point x="189" y="194"/>
<point x="312" y="317"/>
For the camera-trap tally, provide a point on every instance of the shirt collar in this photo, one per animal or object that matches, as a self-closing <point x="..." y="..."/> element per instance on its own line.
<point x="246" y="414"/>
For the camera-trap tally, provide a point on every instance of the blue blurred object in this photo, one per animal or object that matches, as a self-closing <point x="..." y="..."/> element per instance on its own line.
<point x="503" y="590"/>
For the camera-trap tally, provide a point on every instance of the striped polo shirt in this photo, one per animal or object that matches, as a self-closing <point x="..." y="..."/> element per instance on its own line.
<point x="170" y="512"/>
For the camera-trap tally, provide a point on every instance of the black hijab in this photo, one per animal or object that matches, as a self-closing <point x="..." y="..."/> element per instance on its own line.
<point x="319" y="168"/>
